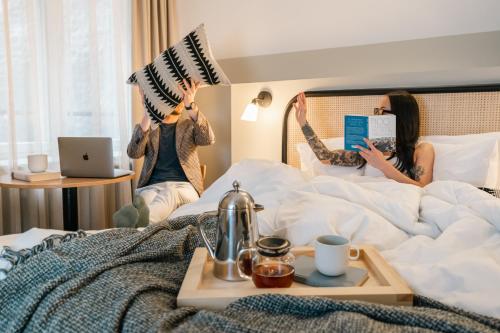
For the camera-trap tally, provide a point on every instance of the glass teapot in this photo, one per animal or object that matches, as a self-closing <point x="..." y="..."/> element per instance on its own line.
<point x="269" y="264"/>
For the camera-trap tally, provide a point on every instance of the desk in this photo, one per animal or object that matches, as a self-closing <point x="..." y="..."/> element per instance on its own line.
<point x="69" y="191"/>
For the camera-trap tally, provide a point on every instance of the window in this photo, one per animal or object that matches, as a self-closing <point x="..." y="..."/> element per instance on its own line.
<point x="69" y="63"/>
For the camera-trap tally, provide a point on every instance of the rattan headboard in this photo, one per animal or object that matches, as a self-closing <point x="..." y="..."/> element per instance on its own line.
<point x="443" y="111"/>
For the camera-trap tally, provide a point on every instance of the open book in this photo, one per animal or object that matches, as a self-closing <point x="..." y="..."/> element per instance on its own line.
<point x="380" y="129"/>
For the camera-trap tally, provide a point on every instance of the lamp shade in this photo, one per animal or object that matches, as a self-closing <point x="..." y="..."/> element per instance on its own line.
<point x="250" y="113"/>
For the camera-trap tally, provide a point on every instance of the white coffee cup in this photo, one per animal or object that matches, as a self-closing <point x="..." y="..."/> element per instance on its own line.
<point x="38" y="162"/>
<point x="332" y="254"/>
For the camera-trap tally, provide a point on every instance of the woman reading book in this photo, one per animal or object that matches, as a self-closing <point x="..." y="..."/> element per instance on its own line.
<point x="411" y="163"/>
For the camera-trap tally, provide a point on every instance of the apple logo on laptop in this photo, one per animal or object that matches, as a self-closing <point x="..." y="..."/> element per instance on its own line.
<point x="86" y="157"/>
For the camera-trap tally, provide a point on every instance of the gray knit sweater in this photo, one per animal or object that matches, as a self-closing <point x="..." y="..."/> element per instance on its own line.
<point x="126" y="280"/>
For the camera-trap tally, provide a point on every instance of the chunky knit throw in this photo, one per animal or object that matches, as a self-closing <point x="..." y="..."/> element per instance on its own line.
<point x="127" y="280"/>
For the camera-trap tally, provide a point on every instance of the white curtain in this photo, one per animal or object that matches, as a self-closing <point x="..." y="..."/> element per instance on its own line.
<point x="63" y="67"/>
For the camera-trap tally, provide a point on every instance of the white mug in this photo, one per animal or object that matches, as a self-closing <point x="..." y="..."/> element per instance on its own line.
<point x="332" y="254"/>
<point x="38" y="162"/>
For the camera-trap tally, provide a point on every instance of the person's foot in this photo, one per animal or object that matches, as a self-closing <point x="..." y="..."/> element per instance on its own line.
<point x="143" y="210"/>
<point x="126" y="217"/>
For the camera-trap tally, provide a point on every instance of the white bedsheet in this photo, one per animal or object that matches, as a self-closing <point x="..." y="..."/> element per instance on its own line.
<point x="443" y="239"/>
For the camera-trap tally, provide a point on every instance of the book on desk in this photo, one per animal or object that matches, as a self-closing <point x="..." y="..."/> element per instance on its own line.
<point x="29" y="176"/>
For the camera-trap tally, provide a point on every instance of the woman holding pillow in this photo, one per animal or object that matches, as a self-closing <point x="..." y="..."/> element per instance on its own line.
<point x="171" y="174"/>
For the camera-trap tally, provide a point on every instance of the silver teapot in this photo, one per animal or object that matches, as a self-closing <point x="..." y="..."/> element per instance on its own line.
<point x="236" y="229"/>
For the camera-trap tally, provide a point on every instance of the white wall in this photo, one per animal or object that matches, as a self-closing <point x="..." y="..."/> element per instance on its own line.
<point x="457" y="52"/>
<point x="239" y="28"/>
<point x="455" y="60"/>
<point x="262" y="139"/>
<point x="291" y="45"/>
<point x="215" y="103"/>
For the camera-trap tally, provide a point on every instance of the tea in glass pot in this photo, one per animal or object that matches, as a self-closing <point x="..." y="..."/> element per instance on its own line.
<point x="269" y="264"/>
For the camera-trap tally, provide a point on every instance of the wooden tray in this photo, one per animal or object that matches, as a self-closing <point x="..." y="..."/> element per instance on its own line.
<point x="202" y="290"/>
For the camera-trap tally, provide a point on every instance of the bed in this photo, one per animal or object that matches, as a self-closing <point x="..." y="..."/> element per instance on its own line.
<point x="443" y="239"/>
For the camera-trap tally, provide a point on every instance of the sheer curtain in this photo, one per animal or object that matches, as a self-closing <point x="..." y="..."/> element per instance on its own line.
<point x="63" y="67"/>
<point x="153" y="30"/>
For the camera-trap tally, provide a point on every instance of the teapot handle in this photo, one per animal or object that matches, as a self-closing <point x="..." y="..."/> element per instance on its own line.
<point x="247" y="266"/>
<point x="200" y="221"/>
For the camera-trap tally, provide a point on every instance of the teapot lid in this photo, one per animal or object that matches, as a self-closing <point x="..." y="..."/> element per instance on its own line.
<point x="236" y="199"/>
<point x="273" y="246"/>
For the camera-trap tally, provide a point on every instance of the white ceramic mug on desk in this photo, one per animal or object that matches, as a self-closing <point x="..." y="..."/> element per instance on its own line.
<point x="38" y="162"/>
<point x="332" y="254"/>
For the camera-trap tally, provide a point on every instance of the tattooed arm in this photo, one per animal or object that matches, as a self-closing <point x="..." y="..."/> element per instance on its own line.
<point x="424" y="163"/>
<point x="335" y="157"/>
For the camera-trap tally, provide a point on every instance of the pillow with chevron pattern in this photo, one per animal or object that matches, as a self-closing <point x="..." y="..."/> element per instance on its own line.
<point x="191" y="58"/>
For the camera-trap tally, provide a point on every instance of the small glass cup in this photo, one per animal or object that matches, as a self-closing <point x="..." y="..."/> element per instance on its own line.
<point x="269" y="264"/>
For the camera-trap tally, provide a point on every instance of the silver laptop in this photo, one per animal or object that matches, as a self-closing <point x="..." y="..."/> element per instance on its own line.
<point x="87" y="157"/>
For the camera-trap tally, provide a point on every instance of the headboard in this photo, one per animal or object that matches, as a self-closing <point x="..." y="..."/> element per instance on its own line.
<point x="443" y="111"/>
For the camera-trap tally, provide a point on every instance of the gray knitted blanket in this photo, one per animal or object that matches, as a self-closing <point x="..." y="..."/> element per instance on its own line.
<point x="126" y="280"/>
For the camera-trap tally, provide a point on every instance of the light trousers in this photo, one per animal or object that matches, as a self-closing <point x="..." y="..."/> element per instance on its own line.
<point x="163" y="198"/>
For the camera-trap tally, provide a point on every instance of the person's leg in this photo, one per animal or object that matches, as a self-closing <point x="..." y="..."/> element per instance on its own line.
<point x="143" y="210"/>
<point x="149" y="193"/>
<point x="164" y="203"/>
<point x="172" y="196"/>
<point x="129" y="216"/>
<point x="126" y="217"/>
<point x="187" y="193"/>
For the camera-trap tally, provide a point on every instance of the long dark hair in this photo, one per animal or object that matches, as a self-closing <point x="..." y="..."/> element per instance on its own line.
<point x="404" y="106"/>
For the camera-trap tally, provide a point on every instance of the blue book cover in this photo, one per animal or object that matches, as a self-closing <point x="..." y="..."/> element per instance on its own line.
<point x="355" y="130"/>
<point x="380" y="129"/>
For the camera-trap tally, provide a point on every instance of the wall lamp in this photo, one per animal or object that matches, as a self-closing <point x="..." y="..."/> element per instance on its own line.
<point x="263" y="100"/>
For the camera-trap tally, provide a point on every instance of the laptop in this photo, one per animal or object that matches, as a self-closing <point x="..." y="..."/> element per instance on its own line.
<point x="87" y="157"/>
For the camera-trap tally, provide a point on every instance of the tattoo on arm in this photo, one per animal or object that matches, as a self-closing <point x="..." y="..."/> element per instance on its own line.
<point x="338" y="157"/>
<point x="343" y="157"/>
<point x="419" y="171"/>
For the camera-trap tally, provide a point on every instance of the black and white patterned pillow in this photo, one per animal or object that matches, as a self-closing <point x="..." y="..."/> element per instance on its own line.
<point x="191" y="58"/>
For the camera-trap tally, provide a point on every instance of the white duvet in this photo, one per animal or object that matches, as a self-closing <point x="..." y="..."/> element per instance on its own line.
<point x="443" y="239"/>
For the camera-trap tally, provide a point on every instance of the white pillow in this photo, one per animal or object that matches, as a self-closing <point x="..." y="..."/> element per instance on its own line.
<point x="471" y="139"/>
<point x="463" y="139"/>
<point x="310" y="164"/>
<point x="468" y="158"/>
<point x="476" y="163"/>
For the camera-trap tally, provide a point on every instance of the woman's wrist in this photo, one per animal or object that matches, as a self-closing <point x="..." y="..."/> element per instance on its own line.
<point x="387" y="168"/>
<point x="145" y="122"/>
<point x="193" y="112"/>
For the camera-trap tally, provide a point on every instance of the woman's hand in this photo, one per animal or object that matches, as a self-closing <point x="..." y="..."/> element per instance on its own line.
<point x="189" y="91"/>
<point x="188" y="97"/>
<point x="373" y="156"/>
<point x="146" y="121"/>
<point x="300" y="109"/>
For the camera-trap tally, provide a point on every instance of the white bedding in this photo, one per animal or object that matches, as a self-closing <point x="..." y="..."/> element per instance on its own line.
<point x="443" y="239"/>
